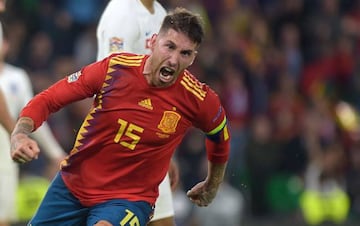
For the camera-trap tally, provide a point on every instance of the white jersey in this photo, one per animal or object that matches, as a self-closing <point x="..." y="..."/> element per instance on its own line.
<point x="126" y="25"/>
<point x="17" y="89"/>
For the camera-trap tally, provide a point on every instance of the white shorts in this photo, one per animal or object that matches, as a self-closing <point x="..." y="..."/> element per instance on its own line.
<point x="164" y="204"/>
<point x="8" y="188"/>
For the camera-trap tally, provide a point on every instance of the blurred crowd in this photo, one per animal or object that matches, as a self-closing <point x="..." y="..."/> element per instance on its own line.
<point x="287" y="72"/>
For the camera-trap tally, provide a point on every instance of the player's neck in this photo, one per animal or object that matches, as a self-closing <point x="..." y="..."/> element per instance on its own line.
<point x="149" y="5"/>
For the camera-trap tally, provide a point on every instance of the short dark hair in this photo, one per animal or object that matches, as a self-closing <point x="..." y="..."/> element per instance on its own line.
<point x="184" y="21"/>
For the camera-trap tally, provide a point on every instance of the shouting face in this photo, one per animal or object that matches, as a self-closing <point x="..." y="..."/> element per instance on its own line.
<point x="172" y="52"/>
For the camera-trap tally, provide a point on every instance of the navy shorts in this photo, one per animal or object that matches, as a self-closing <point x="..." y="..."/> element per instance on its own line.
<point x="60" y="207"/>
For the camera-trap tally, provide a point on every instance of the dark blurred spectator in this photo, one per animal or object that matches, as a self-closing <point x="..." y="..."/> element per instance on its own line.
<point x="353" y="182"/>
<point x="235" y="97"/>
<point x="263" y="158"/>
<point x="290" y="48"/>
<point x="286" y="111"/>
<point x="322" y="20"/>
<point x="40" y="53"/>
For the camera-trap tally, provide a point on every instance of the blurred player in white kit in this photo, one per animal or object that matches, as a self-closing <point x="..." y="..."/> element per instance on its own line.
<point x="15" y="92"/>
<point x="127" y="26"/>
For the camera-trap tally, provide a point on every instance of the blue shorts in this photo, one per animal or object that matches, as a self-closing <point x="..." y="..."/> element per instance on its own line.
<point x="60" y="207"/>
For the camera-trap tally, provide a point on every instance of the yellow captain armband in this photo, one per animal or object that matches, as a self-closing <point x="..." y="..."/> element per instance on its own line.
<point x="215" y="134"/>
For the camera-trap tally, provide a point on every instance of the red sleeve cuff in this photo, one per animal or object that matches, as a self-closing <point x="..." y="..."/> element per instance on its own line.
<point x="217" y="152"/>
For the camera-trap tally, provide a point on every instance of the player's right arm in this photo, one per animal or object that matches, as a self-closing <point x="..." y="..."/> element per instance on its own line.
<point x="43" y="134"/>
<point x="23" y="148"/>
<point x="80" y="85"/>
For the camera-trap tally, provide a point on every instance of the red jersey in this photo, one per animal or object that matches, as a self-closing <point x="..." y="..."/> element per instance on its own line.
<point x="125" y="143"/>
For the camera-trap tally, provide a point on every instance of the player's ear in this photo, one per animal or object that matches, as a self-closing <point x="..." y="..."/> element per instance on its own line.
<point x="152" y="41"/>
<point x="192" y="61"/>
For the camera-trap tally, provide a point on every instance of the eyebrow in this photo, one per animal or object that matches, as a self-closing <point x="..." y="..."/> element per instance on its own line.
<point x="182" y="51"/>
<point x="187" y="51"/>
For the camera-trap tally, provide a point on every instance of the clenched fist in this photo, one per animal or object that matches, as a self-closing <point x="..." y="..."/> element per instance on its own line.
<point x="23" y="148"/>
<point x="202" y="194"/>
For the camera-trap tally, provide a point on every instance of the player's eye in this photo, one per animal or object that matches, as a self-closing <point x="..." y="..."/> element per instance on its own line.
<point x="170" y="46"/>
<point x="186" y="53"/>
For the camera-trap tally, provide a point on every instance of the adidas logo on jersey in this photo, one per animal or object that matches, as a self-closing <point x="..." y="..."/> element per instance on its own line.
<point x="146" y="103"/>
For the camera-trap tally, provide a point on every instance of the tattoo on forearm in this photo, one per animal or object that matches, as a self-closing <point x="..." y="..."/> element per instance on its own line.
<point x="24" y="125"/>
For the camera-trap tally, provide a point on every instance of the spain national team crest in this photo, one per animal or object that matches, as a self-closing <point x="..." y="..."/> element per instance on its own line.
<point x="169" y="122"/>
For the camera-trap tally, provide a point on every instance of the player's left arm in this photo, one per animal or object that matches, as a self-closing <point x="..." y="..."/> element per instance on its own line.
<point x="214" y="123"/>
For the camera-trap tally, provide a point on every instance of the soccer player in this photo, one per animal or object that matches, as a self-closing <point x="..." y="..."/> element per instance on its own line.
<point x="143" y="106"/>
<point x="139" y="21"/>
<point x="127" y="26"/>
<point x="17" y="91"/>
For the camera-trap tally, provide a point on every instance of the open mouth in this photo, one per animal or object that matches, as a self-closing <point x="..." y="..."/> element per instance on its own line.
<point x="166" y="74"/>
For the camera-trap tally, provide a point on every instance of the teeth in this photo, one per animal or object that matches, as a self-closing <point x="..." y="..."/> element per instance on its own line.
<point x="167" y="70"/>
<point x="166" y="74"/>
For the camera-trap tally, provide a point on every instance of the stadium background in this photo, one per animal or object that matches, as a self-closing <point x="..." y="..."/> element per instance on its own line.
<point x="288" y="74"/>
